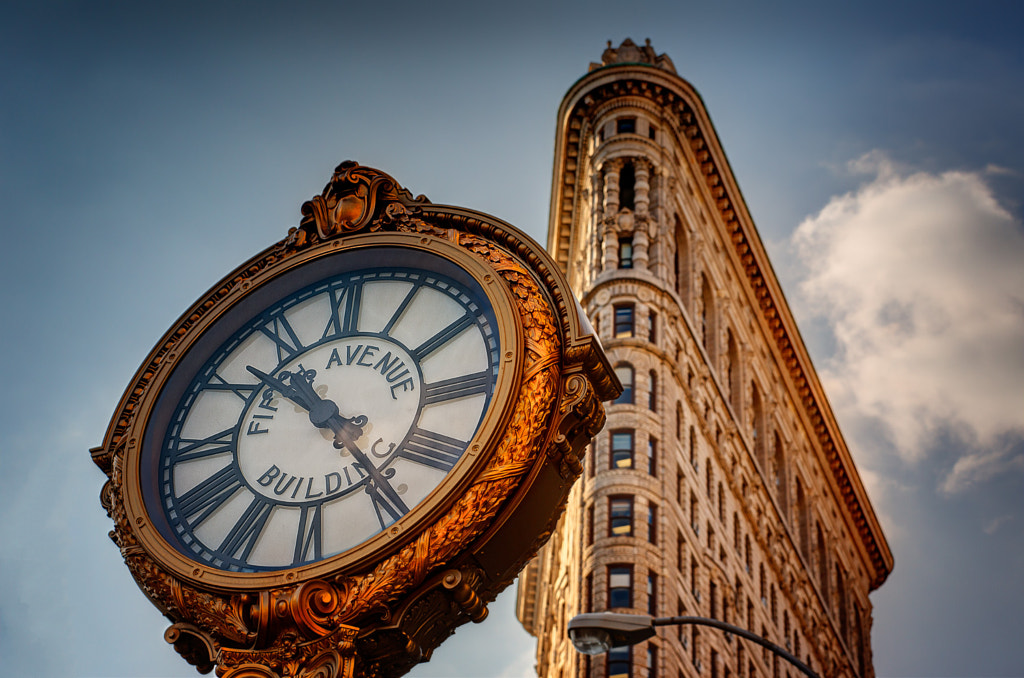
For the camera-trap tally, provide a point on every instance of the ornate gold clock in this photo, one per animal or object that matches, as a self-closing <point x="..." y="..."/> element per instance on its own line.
<point x="356" y="439"/>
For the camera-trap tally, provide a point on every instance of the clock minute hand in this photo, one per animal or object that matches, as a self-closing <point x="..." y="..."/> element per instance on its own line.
<point x="343" y="438"/>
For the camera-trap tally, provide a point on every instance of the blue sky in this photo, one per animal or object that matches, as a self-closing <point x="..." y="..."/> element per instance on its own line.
<point x="146" y="150"/>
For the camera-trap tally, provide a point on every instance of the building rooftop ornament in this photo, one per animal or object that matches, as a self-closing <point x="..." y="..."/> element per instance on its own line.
<point x="630" y="53"/>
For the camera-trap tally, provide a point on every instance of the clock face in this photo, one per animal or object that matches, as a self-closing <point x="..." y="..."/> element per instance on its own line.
<point x="321" y="410"/>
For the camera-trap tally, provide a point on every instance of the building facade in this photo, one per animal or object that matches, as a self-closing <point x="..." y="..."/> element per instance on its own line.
<point x="721" y="485"/>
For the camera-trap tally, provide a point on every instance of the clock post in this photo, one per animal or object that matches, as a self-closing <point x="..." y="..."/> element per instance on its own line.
<point x="356" y="439"/>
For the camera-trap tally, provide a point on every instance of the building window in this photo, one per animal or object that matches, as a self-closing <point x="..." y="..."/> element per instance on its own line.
<point x="707" y="318"/>
<point x="679" y="421"/>
<point x="761" y="584"/>
<point x="652" y="594"/>
<point x="652" y="394"/>
<point x="779" y="474"/>
<point x="619" y="662"/>
<point x="620" y="586"/>
<point x="624" y="320"/>
<point x="652" y="328"/>
<point x="819" y="555"/>
<point x="736" y="533"/>
<point x="627" y="185"/>
<point x="652" y="661"/>
<point x="652" y="131"/>
<point x="679" y="550"/>
<point x="590" y="525"/>
<point x="652" y="522"/>
<point x="732" y="371"/>
<point x="693" y="450"/>
<point x="626" y="252"/>
<point x="757" y="432"/>
<point x="801" y="520"/>
<point x="620" y="516"/>
<point x="625" y="126"/>
<point x="713" y="600"/>
<point x="679" y="486"/>
<point x="652" y="456"/>
<point x="681" y="263"/>
<point x="589" y="598"/>
<point x="625" y="374"/>
<point x="721" y="503"/>
<point x="622" y="449"/>
<point x="693" y="579"/>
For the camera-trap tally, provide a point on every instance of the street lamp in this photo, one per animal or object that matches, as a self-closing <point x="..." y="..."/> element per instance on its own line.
<point x="597" y="632"/>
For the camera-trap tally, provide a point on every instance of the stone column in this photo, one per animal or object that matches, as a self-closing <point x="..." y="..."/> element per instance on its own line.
<point x="642" y="199"/>
<point x="611" y="208"/>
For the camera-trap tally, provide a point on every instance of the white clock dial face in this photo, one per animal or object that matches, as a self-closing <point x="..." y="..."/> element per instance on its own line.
<point x="326" y="416"/>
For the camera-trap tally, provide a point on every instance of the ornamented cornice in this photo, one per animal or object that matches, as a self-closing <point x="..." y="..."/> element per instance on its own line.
<point x="683" y="108"/>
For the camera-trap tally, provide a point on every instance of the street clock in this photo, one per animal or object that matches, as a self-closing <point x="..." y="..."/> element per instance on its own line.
<point x="355" y="440"/>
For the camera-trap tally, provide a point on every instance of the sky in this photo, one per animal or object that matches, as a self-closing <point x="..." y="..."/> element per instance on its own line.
<point x="147" y="149"/>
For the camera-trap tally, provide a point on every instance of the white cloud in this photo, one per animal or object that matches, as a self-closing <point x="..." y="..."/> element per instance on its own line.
<point x="921" y="277"/>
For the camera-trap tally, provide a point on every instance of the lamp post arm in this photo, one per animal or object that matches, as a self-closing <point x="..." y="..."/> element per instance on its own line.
<point x="736" y="630"/>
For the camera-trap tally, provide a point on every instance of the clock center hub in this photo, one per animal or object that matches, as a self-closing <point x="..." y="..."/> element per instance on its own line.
<point x="294" y="443"/>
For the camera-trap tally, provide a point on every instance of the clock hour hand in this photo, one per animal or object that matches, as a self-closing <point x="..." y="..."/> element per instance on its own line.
<point x="323" y="413"/>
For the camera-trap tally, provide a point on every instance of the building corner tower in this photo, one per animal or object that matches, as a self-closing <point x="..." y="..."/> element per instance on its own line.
<point x="721" y="485"/>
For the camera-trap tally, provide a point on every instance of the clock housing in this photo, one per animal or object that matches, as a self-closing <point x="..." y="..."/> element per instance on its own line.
<point x="227" y="455"/>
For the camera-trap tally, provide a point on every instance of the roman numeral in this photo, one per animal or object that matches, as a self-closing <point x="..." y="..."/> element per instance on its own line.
<point x="459" y="387"/>
<point x="388" y="507"/>
<point x="442" y="337"/>
<point x="281" y="332"/>
<point x="432" y="449"/>
<point x="243" y="536"/>
<point x="344" y="322"/>
<point x="193" y="448"/>
<point x="311" y="530"/>
<point x="401" y="309"/>
<point x="218" y="383"/>
<point x="197" y="504"/>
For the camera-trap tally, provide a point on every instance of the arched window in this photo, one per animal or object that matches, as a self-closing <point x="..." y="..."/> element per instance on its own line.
<point x="801" y="520"/>
<point x="757" y="432"/>
<point x="624" y="371"/>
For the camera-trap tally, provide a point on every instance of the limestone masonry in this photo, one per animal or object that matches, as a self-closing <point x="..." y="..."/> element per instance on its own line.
<point x="721" y="485"/>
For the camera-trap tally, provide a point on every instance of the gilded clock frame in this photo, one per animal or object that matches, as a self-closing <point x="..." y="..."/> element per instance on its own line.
<point x="386" y="542"/>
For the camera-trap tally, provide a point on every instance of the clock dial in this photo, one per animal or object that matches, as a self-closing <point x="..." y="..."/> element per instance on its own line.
<point x="326" y="414"/>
